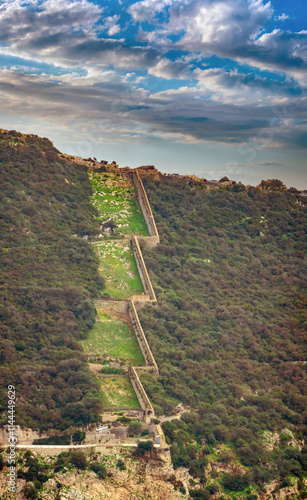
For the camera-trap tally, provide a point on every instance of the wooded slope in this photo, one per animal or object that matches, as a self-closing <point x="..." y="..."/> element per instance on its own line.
<point x="48" y="274"/>
<point x="228" y="331"/>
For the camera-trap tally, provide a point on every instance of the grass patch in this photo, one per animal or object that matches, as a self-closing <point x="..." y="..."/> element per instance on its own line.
<point x="113" y="339"/>
<point x="115" y="197"/>
<point x="118" y="266"/>
<point x="118" y="392"/>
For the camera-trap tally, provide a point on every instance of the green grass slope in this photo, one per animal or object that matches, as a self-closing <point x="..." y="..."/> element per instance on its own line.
<point x="117" y="392"/>
<point x="115" y="197"/>
<point x="112" y="339"/>
<point x="118" y="265"/>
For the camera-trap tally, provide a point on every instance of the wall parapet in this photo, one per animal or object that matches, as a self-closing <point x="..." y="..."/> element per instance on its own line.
<point x="140" y="335"/>
<point x="142" y="269"/>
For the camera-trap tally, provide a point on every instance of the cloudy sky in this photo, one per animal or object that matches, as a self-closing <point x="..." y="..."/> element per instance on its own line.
<point x="210" y="87"/>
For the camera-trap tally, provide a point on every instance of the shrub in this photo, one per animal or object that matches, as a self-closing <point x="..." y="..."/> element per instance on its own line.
<point x="235" y="482"/>
<point x="30" y="491"/>
<point x="78" y="436"/>
<point x="53" y="440"/>
<point x="99" y="469"/>
<point x="111" y="370"/>
<point x="78" y="459"/>
<point x="201" y="494"/>
<point x="121" y="464"/>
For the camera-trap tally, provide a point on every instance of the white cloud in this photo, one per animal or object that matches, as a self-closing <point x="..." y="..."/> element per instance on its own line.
<point x="146" y="10"/>
<point x="66" y="34"/>
<point x="232" y="29"/>
<point x="124" y="111"/>
<point x="225" y="106"/>
<point x="111" y="23"/>
<point x="244" y="89"/>
<point x="169" y="70"/>
<point x="282" y="17"/>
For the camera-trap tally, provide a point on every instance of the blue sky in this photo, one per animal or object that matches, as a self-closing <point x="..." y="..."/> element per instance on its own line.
<point x="208" y="87"/>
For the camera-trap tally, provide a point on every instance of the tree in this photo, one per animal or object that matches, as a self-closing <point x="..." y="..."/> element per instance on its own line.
<point x="134" y="428"/>
<point x="144" y="447"/>
<point x="78" y="436"/>
<point x="78" y="459"/>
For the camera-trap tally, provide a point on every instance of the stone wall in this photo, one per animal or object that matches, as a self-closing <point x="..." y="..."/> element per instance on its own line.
<point x="51" y="450"/>
<point x="146" y="209"/>
<point x="140" y="298"/>
<point x="139" y="332"/>
<point x="142" y="269"/>
<point x="146" y="405"/>
<point x="119" y="408"/>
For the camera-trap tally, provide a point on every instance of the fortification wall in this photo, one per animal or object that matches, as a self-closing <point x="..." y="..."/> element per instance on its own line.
<point x="146" y="209"/>
<point x="140" y="335"/>
<point x="141" y="395"/>
<point x="142" y="269"/>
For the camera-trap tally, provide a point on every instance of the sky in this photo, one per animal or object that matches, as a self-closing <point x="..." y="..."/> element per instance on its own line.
<point x="204" y="87"/>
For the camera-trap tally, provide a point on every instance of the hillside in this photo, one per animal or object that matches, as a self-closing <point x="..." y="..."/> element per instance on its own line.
<point x="48" y="275"/>
<point x="228" y="331"/>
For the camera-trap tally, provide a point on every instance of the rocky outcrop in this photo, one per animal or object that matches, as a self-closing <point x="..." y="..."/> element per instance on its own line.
<point x="24" y="436"/>
<point x="150" y="480"/>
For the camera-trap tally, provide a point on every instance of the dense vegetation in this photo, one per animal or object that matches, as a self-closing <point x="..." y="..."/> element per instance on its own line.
<point x="48" y="275"/>
<point x="228" y="329"/>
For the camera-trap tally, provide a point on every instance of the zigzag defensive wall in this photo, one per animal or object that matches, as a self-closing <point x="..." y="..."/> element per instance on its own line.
<point x="128" y="307"/>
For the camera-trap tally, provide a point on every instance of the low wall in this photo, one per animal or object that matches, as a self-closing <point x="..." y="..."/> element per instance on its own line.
<point x="141" y="395"/>
<point x="120" y="306"/>
<point x="119" y="408"/>
<point x="140" y="298"/>
<point x="142" y="269"/>
<point x="146" y="209"/>
<point x="49" y="449"/>
<point x="140" y="335"/>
